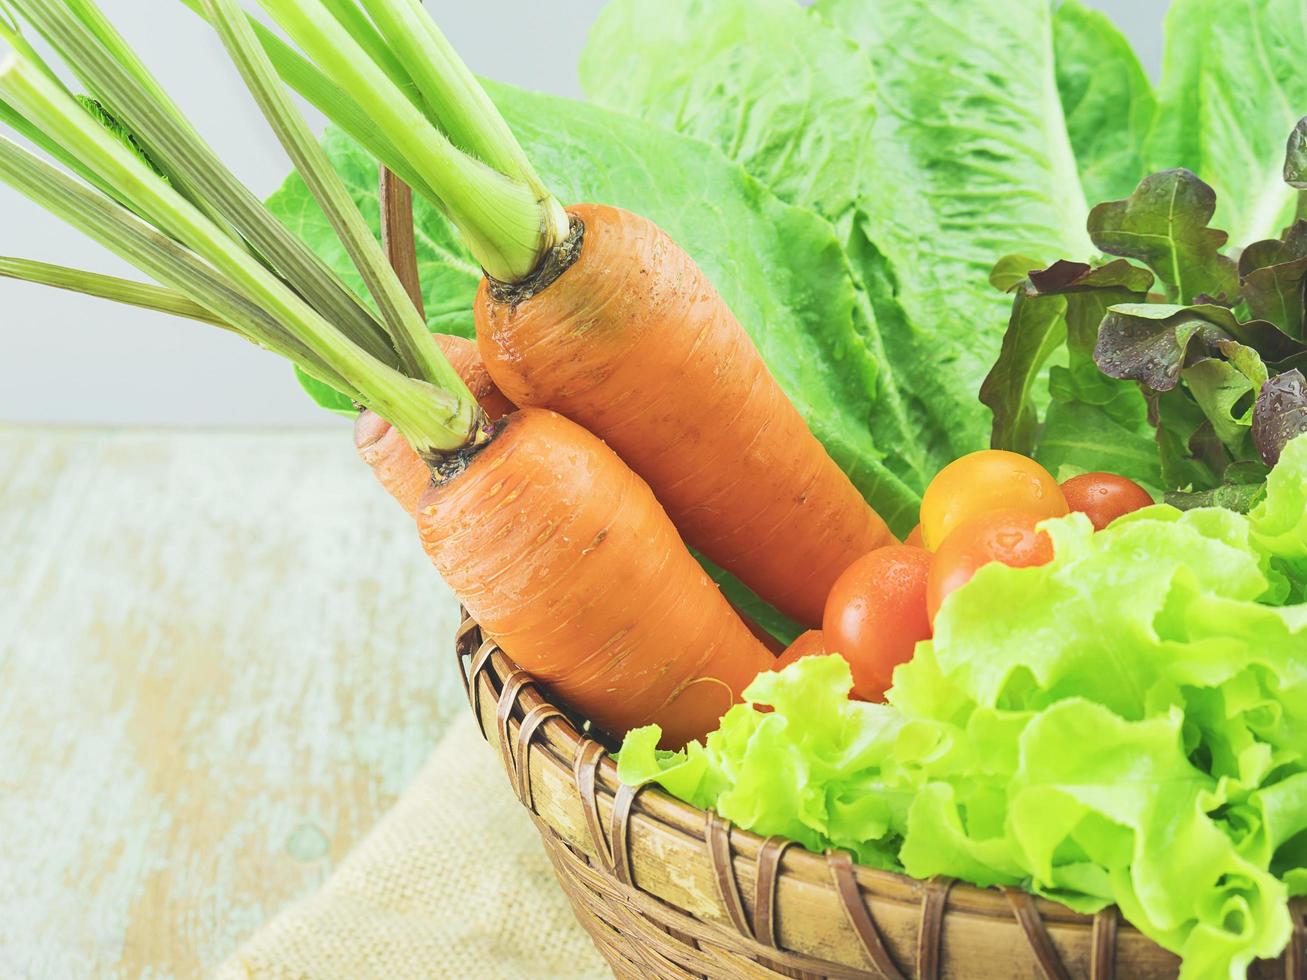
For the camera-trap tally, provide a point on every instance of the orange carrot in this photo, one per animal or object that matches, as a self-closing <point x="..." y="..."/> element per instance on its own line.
<point x="401" y="471"/>
<point x="565" y="557"/>
<point x="632" y="342"/>
<point x="394" y="462"/>
<point x="809" y="644"/>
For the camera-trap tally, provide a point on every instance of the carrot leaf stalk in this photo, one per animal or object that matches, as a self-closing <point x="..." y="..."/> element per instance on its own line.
<point x="188" y="251"/>
<point x="507" y="219"/>
<point x="196" y="171"/>
<point x="404" y="324"/>
<point x="328" y="98"/>
<point x="143" y="295"/>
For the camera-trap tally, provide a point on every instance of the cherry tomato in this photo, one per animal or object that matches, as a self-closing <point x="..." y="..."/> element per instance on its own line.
<point x="1104" y="497"/>
<point x="1006" y="536"/>
<point x="876" y="613"/>
<point x="807" y="645"/>
<point x="992" y="479"/>
<point x="914" y="538"/>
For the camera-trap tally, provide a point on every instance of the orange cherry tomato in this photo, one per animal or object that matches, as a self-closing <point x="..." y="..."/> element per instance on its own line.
<point x="914" y="538"/>
<point x="1007" y="536"/>
<point x="808" y="644"/>
<point x="992" y="479"/>
<point x="1104" y="497"/>
<point x="876" y="613"/>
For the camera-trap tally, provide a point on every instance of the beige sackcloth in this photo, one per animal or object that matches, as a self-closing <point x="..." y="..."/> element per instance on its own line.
<point x="453" y="882"/>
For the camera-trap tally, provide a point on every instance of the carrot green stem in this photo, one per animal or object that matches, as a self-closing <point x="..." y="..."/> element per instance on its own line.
<point x="176" y="149"/>
<point x="329" y="99"/>
<point x="145" y="296"/>
<point x="122" y="232"/>
<point x="460" y="104"/>
<point x="504" y="224"/>
<point x="432" y="419"/>
<point x="406" y="327"/>
<point x="350" y="17"/>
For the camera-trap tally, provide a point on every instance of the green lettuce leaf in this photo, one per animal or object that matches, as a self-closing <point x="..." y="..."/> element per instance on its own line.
<point x="780" y="268"/>
<point x="1107" y="99"/>
<point x="1057" y="306"/>
<point x="1232" y="88"/>
<point x="1070" y="728"/>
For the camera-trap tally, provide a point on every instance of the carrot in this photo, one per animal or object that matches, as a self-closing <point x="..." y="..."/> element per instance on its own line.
<point x="401" y="471"/>
<point x="633" y="342"/>
<point x="566" y="558"/>
<point x="595" y="312"/>
<point x="808" y="644"/>
<point x="559" y="549"/>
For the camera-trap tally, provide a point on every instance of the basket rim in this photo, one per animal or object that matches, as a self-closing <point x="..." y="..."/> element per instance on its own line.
<point x="560" y="733"/>
<point x="526" y="717"/>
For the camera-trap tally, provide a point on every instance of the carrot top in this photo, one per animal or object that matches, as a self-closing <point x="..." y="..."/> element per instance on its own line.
<point x="145" y="184"/>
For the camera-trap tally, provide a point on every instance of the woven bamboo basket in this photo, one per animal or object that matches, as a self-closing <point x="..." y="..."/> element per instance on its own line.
<point x="670" y="891"/>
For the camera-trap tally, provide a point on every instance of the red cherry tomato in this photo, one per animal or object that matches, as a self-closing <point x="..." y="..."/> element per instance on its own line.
<point x="915" y="539"/>
<point x="876" y="613"/>
<point x="1104" y="497"/>
<point x="807" y="645"/>
<point x="992" y="479"/>
<point x="1006" y="536"/>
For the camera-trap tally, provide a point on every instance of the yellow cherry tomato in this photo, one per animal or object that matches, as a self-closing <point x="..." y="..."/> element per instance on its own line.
<point x="982" y="482"/>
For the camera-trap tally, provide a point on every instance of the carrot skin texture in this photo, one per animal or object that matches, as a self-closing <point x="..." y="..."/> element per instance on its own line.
<point x="394" y="463"/>
<point x="401" y="471"/>
<point x="635" y="344"/>
<point x="566" y="558"/>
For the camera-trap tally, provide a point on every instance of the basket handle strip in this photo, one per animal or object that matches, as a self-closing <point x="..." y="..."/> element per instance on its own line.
<point x="764" y="907"/>
<point x="620" y="828"/>
<point x="514" y="684"/>
<point x="1295" y="959"/>
<point x="397" y="235"/>
<point x="479" y="664"/>
<point x="465" y="642"/>
<point x="931" y="931"/>
<point x="717" y="833"/>
<point x="855" y="910"/>
<point x="1102" y="962"/>
<point x="589" y="753"/>
<point x="1023" y="907"/>
<point x="536" y="717"/>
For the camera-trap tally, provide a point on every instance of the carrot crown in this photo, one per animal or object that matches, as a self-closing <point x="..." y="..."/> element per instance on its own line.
<point x="140" y="180"/>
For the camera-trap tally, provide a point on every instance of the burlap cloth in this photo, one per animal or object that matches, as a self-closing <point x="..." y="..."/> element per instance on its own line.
<point x="453" y="882"/>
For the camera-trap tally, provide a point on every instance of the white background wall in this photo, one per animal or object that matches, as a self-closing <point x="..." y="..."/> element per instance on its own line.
<point x="66" y="359"/>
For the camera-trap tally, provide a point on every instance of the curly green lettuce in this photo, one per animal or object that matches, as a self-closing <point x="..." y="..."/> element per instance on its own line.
<point x="1126" y="725"/>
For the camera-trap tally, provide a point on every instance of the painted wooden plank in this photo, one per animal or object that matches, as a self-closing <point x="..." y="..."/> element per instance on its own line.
<point x="222" y="656"/>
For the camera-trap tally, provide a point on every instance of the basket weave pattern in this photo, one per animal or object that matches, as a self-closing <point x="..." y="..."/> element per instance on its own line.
<point x="666" y="890"/>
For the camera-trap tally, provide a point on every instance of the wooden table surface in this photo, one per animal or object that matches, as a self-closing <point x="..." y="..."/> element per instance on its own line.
<point x="222" y="657"/>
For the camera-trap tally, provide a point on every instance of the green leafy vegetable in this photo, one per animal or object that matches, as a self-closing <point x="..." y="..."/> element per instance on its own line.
<point x="1232" y="88"/>
<point x="1070" y="729"/>
<point x="779" y="267"/>
<point x="1107" y="98"/>
<point x="1295" y="157"/>
<point x="1062" y="304"/>
<point x="1164" y="224"/>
